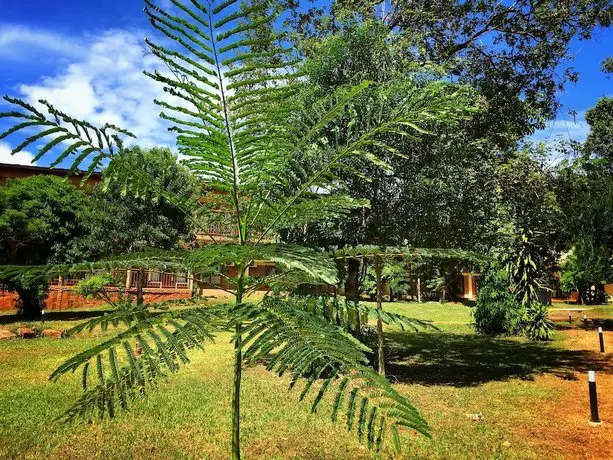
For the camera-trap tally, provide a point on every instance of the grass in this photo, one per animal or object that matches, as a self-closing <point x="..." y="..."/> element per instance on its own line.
<point x="448" y="374"/>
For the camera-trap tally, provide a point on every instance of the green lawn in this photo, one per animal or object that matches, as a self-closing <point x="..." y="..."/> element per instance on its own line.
<point x="448" y="374"/>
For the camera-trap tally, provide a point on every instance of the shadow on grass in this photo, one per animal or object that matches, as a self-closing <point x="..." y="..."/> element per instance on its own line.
<point x="72" y="315"/>
<point x="468" y="360"/>
<point x="606" y="324"/>
<point x="593" y="324"/>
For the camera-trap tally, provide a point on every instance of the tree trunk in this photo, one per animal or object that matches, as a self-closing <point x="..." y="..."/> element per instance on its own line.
<point x="419" y="290"/>
<point x="352" y="293"/>
<point x="31" y="302"/>
<point x="442" y="294"/>
<point x="139" y="287"/>
<point x="236" y="398"/>
<point x="352" y="281"/>
<point x="381" y="354"/>
<point x="236" y="388"/>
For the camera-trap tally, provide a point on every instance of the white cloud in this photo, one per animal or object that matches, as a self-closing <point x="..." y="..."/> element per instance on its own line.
<point x="106" y="85"/>
<point x="564" y="128"/>
<point x="18" y="42"/>
<point x="20" y="158"/>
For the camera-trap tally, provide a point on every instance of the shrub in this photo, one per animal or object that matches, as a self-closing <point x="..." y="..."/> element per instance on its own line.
<point x="497" y="312"/>
<point x="538" y="325"/>
<point x="103" y="286"/>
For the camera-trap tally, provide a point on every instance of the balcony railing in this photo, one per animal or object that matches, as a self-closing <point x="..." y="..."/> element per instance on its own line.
<point x="151" y="279"/>
<point x="159" y="280"/>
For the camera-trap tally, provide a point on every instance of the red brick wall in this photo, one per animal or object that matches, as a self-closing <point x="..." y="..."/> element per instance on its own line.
<point x="64" y="297"/>
<point x="8" y="300"/>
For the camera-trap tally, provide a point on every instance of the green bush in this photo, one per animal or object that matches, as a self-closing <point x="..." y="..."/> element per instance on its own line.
<point x="497" y="312"/>
<point x="538" y="325"/>
<point x="103" y="286"/>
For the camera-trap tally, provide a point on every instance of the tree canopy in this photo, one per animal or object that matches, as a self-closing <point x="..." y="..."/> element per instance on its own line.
<point x="40" y="219"/>
<point x="116" y="221"/>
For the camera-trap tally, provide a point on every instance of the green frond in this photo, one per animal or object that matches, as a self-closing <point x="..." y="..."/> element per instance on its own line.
<point x="82" y="139"/>
<point x="284" y="281"/>
<point x="287" y="339"/>
<point x="223" y="5"/>
<point x="124" y="375"/>
<point x="162" y="260"/>
<point x="346" y="314"/>
<point x="309" y="209"/>
<point x="240" y="14"/>
<point x="132" y="314"/>
<point x="250" y="43"/>
<point x="179" y="24"/>
<point x="408" y="253"/>
<point x="316" y="264"/>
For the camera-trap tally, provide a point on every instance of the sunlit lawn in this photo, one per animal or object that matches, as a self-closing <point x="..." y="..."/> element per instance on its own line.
<point x="450" y="375"/>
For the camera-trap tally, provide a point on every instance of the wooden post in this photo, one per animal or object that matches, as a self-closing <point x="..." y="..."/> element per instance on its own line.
<point x="190" y="283"/>
<point x="139" y="288"/>
<point x="381" y="354"/>
<point x="352" y="294"/>
<point x="419" y="289"/>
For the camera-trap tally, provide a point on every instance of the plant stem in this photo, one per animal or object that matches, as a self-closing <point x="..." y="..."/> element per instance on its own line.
<point x="378" y="268"/>
<point x="238" y="361"/>
<point x="236" y="397"/>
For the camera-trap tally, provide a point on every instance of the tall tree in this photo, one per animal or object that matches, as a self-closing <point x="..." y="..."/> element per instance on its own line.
<point x="599" y="143"/>
<point x="503" y="49"/>
<point x="40" y="217"/>
<point x="240" y="125"/>
<point x="118" y="221"/>
<point x="585" y="191"/>
<point x="529" y="221"/>
<point x="438" y="191"/>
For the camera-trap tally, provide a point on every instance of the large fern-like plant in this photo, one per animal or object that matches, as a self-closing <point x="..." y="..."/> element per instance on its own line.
<point x="379" y="256"/>
<point x="231" y="84"/>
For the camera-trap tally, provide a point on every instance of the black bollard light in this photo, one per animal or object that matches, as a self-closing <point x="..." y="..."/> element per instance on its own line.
<point x="42" y="312"/>
<point x="591" y="379"/>
<point x="570" y="318"/>
<point x="601" y="339"/>
<point x="585" y="321"/>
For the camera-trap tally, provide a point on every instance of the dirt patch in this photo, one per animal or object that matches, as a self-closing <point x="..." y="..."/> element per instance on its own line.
<point x="6" y="334"/>
<point x="52" y="333"/>
<point x="576" y="339"/>
<point x="560" y="426"/>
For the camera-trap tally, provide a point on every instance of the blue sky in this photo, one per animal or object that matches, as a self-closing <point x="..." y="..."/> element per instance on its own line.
<point x="87" y="56"/>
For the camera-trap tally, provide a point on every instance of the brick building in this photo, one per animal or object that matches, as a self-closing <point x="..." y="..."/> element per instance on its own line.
<point x="156" y="285"/>
<point x="11" y="171"/>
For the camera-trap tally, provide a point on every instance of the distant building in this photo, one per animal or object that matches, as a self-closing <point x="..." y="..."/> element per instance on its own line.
<point x="468" y="287"/>
<point x="11" y="171"/>
<point x="156" y="285"/>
